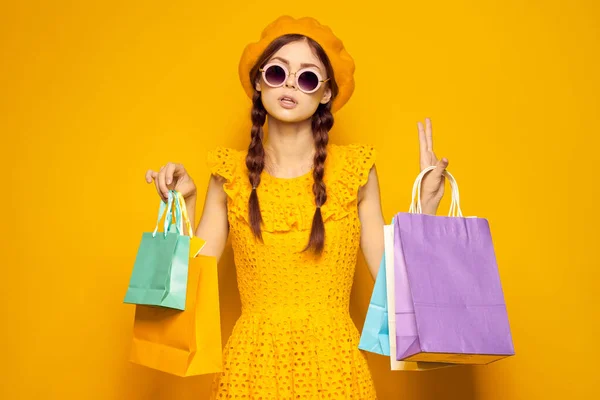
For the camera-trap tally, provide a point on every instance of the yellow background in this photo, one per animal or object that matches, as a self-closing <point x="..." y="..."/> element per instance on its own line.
<point x="94" y="93"/>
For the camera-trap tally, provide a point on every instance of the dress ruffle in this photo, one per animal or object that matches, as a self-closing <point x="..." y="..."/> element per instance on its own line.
<point x="285" y="207"/>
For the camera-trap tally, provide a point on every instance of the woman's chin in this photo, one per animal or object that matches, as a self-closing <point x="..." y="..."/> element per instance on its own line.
<point x="290" y="115"/>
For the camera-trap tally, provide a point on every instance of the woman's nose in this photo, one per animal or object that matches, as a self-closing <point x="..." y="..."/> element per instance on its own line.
<point x="291" y="81"/>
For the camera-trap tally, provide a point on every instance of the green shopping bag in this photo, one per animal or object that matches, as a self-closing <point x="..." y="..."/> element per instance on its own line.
<point x="160" y="272"/>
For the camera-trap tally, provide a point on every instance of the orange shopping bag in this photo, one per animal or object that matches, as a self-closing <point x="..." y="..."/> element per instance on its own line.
<point x="183" y="343"/>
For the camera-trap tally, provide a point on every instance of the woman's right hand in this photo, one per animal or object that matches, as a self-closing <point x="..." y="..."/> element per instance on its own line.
<point x="172" y="176"/>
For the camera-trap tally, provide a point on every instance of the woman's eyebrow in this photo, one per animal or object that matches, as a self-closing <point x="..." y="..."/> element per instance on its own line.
<point x="303" y="65"/>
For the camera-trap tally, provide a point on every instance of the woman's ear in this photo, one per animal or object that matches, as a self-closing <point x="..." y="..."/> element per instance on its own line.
<point x="326" y="96"/>
<point x="257" y="85"/>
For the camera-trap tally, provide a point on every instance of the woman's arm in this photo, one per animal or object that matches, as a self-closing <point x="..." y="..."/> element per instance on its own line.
<point x="369" y="200"/>
<point x="371" y="220"/>
<point x="213" y="226"/>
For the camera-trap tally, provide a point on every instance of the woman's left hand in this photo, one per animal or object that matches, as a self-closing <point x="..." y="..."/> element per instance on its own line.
<point x="432" y="186"/>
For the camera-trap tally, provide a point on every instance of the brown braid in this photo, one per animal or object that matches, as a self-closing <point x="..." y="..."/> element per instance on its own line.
<point x="322" y="122"/>
<point x="255" y="162"/>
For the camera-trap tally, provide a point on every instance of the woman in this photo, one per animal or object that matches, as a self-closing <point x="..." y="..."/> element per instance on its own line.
<point x="298" y="209"/>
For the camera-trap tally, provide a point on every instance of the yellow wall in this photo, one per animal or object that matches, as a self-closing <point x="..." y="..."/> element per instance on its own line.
<point x="92" y="95"/>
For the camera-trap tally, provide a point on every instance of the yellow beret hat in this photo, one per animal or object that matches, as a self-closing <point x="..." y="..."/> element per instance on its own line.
<point x="341" y="61"/>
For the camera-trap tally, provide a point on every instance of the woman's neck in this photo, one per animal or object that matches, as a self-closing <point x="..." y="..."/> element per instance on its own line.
<point x="290" y="145"/>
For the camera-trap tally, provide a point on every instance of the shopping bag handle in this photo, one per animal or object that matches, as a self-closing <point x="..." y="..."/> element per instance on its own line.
<point x="176" y="199"/>
<point x="164" y="206"/>
<point x="182" y="215"/>
<point x="415" y="207"/>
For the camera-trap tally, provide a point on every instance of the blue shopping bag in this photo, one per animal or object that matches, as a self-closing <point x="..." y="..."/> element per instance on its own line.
<point x="375" y="334"/>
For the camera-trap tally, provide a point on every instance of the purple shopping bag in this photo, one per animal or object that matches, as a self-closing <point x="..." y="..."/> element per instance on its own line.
<point x="449" y="301"/>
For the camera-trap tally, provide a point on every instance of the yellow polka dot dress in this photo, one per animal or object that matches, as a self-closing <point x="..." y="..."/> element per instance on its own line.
<point x="295" y="338"/>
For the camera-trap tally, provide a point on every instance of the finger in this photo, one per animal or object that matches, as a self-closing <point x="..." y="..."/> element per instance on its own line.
<point x="441" y="166"/>
<point x="157" y="185"/>
<point x="169" y="172"/>
<point x="158" y="190"/>
<point x="162" y="185"/>
<point x="429" y="134"/>
<point x="422" y="138"/>
<point x="422" y="144"/>
<point x="150" y="176"/>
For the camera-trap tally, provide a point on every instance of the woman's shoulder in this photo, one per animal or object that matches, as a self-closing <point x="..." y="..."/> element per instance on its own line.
<point x="224" y="161"/>
<point x="223" y="152"/>
<point x="354" y="153"/>
<point x="351" y="163"/>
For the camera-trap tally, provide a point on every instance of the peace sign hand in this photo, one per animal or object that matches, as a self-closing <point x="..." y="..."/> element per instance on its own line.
<point x="432" y="185"/>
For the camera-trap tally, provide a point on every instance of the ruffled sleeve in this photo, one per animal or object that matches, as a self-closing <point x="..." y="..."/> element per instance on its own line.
<point x="350" y="166"/>
<point x="360" y="158"/>
<point x="221" y="161"/>
<point x="225" y="162"/>
<point x="355" y="164"/>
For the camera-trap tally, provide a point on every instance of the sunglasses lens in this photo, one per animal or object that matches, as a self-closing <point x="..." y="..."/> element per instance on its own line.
<point x="308" y="81"/>
<point x="275" y="75"/>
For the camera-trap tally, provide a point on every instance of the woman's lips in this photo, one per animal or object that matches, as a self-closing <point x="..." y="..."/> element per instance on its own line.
<point x="287" y="102"/>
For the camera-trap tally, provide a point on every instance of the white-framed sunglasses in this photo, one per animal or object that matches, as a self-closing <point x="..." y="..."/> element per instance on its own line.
<point x="307" y="80"/>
